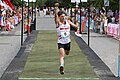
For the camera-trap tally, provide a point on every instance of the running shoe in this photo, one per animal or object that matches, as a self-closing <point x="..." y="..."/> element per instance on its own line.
<point x="61" y="70"/>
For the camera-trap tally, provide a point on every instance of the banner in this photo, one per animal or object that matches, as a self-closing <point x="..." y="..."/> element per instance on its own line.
<point x="113" y="30"/>
<point x="9" y="4"/>
<point x="1" y="4"/>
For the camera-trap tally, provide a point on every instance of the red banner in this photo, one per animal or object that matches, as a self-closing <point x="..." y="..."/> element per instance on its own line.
<point x="9" y="4"/>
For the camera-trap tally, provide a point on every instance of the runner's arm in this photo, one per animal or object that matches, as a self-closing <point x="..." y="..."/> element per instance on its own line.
<point x="56" y="15"/>
<point x="73" y="25"/>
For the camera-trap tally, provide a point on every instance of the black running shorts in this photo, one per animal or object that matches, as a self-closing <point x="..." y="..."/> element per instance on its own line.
<point x="65" y="46"/>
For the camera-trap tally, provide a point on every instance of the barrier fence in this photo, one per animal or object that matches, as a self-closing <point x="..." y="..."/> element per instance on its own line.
<point x="113" y="30"/>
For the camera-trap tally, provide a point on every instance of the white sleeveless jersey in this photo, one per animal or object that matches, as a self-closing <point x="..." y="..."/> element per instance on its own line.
<point x="63" y="32"/>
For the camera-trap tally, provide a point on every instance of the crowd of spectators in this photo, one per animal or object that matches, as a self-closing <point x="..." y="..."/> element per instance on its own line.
<point x="9" y="18"/>
<point x="99" y="19"/>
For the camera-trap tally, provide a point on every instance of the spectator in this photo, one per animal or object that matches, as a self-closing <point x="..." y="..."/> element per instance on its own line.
<point x="44" y="11"/>
<point x="98" y="23"/>
<point x="113" y="19"/>
<point x="105" y="24"/>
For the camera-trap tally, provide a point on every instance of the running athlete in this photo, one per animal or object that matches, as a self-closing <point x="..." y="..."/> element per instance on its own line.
<point x="63" y="32"/>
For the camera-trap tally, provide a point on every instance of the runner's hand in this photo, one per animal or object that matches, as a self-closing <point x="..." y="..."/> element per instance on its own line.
<point x="78" y="31"/>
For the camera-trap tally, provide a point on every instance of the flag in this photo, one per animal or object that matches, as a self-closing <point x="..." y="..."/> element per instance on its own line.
<point x="1" y="4"/>
<point x="9" y="4"/>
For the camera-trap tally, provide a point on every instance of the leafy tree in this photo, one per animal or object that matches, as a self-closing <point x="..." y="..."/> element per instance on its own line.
<point x="50" y="3"/>
<point x="63" y="3"/>
<point x="113" y="4"/>
<point x="16" y="2"/>
<point x="41" y="3"/>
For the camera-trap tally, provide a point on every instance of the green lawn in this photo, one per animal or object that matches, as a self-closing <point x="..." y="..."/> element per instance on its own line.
<point x="43" y="60"/>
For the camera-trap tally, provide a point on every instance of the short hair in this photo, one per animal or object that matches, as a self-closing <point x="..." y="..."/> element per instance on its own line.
<point x="61" y="12"/>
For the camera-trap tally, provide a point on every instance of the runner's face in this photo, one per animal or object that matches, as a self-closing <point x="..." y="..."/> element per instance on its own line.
<point x="62" y="17"/>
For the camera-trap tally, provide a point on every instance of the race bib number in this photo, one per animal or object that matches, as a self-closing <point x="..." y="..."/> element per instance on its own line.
<point x="65" y="34"/>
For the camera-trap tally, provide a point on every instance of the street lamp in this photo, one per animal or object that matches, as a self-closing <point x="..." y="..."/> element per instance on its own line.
<point x="33" y="24"/>
<point x="75" y="8"/>
<point x="28" y="27"/>
<point x="32" y="11"/>
<point x="22" y="26"/>
<point x="80" y="17"/>
<point x="88" y="22"/>
<point x="34" y="1"/>
<point x="119" y="46"/>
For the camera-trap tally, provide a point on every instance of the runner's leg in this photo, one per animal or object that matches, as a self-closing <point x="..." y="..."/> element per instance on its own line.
<point x="62" y="54"/>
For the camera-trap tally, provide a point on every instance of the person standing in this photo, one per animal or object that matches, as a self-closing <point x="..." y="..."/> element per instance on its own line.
<point x="63" y="32"/>
<point x="44" y="11"/>
<point x="105" y="24"/>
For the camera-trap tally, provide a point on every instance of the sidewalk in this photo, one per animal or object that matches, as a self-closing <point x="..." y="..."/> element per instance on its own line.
<point x="106" y="48"/>
<point x="10" y="43"/>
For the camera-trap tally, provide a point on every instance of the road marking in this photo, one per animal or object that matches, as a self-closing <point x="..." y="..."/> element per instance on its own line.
<point x="58" y="78"/>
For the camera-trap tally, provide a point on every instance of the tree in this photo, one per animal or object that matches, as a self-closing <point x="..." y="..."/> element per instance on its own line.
<point x="50" y="3"/>
<point x="113" y="4"/>
<point x="16" y="3"/>
<point x="63" y="3"/>
<point x="41" y="3"/>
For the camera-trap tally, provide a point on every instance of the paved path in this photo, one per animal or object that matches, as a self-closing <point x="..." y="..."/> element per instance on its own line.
<point x="45" y="22"/>
<point x="106" y="48"/>
<point x="10" y="43"/>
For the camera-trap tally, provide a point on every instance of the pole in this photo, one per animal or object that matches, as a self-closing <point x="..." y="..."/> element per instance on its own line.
<point x="35" y="17"/>
<point x="80" y="17"/>
<point x="71" y="12"/>
<point x="28" y="19"/>
<point x="88" y="22"/>
<point x="22" y="26"/>
<point x="32" y="11"/>
<point x="119" y="55"/>
<point x="119" y="48"/>
<point x="75" y="8"/>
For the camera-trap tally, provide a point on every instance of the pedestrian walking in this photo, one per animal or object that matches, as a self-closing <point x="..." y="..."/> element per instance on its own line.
<point x="63" y="32"/>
